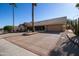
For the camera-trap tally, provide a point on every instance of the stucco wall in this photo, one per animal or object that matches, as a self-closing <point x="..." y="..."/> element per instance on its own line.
<point x="58" y="27"/>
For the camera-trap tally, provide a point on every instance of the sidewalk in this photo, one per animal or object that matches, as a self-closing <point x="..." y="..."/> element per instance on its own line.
<point x="9" y="49"/>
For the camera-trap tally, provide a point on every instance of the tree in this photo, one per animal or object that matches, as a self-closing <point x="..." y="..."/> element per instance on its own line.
<point x="8" y="28"/>
<point x="77" y="5"/>
<point x="77" y="21"/>
<point x="33" y="5"/>
<point x="74" y="25"/>
<point x="13" y="6"/>
<point x="68" y="24"/>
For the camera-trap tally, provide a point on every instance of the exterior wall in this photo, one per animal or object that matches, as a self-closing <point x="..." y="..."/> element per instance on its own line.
<point x="51" y="28"/>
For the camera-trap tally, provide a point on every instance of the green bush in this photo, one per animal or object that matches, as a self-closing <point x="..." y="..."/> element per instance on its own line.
<point x="8" y="28"/>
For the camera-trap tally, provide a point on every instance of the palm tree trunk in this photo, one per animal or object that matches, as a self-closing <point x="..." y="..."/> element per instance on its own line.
<point x="13" y="19"/>
<point x="33" y="28"/>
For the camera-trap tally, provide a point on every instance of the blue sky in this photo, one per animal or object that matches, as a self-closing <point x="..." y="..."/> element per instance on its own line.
<point x="43" y="11"/>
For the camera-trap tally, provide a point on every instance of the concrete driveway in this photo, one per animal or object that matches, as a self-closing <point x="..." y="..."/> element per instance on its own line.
<point x="9" y="49"/>
<point x="40" y="43"/>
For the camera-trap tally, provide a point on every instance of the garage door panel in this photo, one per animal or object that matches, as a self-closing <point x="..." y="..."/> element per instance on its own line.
<point x="54" y="28"/>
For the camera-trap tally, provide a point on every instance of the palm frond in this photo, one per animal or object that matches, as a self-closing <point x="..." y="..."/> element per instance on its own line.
<point x="13" y="4"/>
<point x="77" y="5"/>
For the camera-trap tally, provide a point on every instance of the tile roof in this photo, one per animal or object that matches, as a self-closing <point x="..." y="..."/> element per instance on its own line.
<point x="60" y="20"/>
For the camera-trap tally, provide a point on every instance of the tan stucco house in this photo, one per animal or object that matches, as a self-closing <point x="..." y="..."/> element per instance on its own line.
<point x="55" y="24"/>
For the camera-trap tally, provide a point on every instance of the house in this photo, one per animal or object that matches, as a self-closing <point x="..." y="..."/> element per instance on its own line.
<point x="55" y="24"/>
<point x="50" y="25"/>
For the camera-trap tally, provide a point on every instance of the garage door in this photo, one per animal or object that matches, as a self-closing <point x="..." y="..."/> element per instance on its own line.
<point x="54" y="28"/>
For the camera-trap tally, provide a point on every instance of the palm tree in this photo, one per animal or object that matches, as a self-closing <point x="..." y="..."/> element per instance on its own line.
<point x="77" y="6"/>
<point x="13" y="6"/>
<point x="33" y="5"/>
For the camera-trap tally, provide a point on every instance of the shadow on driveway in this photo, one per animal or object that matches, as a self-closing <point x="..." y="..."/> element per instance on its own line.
<point x="51" y="32"/>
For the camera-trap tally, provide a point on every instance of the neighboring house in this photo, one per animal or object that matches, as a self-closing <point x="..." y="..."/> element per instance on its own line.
<point x="1" y="31"/>
<point x="50" y="25"/>
<point x="22" y="27"/>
